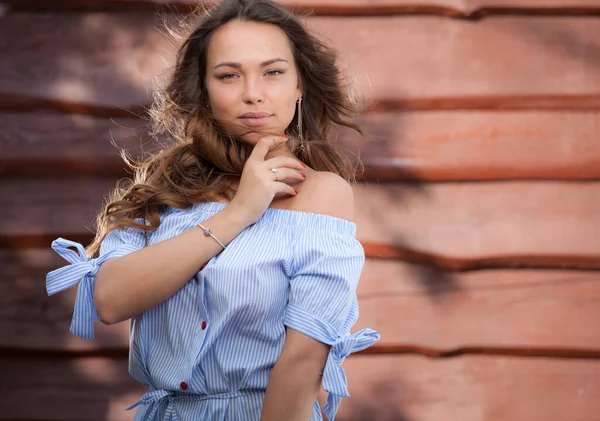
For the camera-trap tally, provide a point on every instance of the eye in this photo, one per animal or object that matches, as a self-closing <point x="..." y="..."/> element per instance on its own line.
<point x="227" y="76"/>
<point x="275" y="72"/>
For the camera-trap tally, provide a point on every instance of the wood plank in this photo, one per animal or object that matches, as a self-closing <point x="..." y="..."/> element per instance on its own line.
<point x="496" y="4"/>
<point x="452" y="225"/>
<point x="435" y="310"/>
<point x="71" y="136"/>
<point x="417" y="309"/>
<point x="476" y="225"/>
<point x="73" y="210"/>
<point x="79" y="61"/>
<point x="553" y="60"/>
<point x="29" y="319"/>
<point x="425" y="146"/>
<point x="453" y="8"/>
<point x="52" y="144"/>
<point x="470" y="389"/>
<point x="478" y="145"/>
<point x="87" y="389"/>
<point x="475" y="388"/>
<point x="464" y="59"/>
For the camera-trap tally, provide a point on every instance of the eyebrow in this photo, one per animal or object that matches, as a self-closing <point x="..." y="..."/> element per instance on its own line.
<point x="239" y="66"/>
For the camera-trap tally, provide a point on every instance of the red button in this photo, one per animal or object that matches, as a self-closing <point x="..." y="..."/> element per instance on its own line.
<point x="203" y="325"/>
<point x="183" y="386"/>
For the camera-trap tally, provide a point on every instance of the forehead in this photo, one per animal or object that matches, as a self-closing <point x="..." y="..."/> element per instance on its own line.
<point x="248" y="42"/>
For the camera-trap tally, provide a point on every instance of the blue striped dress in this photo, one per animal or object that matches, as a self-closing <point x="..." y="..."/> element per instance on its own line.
<point x="207" y="352"/>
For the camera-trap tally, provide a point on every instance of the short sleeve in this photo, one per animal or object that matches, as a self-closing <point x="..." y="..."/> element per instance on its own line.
<point x="83" y="271"/>
<point x="327" y="267"/>
<point x="322" y="300"/>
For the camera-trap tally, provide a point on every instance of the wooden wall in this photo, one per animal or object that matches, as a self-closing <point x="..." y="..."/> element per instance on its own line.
<point x="479" y="208"/>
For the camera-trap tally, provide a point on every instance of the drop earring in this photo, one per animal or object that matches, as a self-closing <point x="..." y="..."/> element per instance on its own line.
<point x="299" y="112"/>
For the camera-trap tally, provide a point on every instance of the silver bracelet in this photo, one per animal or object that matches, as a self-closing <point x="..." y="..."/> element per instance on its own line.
<point x="209" y="233"/>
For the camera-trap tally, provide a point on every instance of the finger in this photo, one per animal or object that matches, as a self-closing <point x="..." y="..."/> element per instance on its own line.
<point x="263" y="145"/>
<point x="289" y="174"/>
<point x="285" y="188"/>
<point x="286" y="162"/>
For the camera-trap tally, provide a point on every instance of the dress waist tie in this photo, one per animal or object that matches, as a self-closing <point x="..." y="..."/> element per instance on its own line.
<point x="167" y="398"/>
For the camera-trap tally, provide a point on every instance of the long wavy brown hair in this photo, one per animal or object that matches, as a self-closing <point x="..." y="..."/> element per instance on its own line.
<point x="202" y="159"/>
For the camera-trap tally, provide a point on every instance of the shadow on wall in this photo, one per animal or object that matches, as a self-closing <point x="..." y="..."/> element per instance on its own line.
<point x="381" y="202"/>
<point x="98" y="61"/>
<point x="385" y="406"/>
<point x="96" y="64"/>
<point x="41" y="362"/>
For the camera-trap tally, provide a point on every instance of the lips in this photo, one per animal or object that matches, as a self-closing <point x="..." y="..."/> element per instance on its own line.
<point x="255" y="118"/>
<point x="255" y="115"/>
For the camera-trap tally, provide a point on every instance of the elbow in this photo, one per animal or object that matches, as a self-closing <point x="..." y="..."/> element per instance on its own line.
<point x="107" y="320"/>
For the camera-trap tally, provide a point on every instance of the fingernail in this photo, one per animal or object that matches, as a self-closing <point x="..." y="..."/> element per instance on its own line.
<point x="303" y="166"/>
<point x="303" y="175"/>
<point x="296" y="191"/>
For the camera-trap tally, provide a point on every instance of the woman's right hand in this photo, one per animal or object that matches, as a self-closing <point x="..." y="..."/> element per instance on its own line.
<point x="259" y="184"/>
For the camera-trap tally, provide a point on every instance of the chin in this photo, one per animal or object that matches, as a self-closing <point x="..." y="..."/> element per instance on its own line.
<point x="254" y="135"/>
<point x="249" y="134"/>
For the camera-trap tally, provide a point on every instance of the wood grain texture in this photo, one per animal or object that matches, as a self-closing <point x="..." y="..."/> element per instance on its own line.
<point x="470" y="389"/>
<point x="30" y="320"/>
<point x="453" y="8"/>
<point x="421" y="146"/>
<point x="42" y="143"/>
<point x="443" y="311"/>
<point x="43" y="134"/>
<point x="87" y="389"/>
<point x="452" y="225"/>
<point x="477" y="145"/>
<point x="416" y="308"/>
<point x="381" y="388"/>
<point x="474" y="225"/>
<point x="110" y="60"/>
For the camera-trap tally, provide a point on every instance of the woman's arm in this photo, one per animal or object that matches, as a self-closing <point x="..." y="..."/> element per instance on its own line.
<point x="295" y="379"/>
<point x="129" y="285"/>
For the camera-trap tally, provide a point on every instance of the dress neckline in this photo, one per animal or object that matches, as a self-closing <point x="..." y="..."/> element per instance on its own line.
<point x="310" y="219"/>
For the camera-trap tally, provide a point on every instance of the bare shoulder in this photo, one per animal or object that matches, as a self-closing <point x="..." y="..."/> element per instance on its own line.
<point x="325" y="193"/>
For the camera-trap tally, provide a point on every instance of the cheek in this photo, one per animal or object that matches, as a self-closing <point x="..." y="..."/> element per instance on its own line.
<point x="222" y="102"/>
<point x="286" y="104"/>
<point x="221" y="99"/>
<point x="290" y="109"/>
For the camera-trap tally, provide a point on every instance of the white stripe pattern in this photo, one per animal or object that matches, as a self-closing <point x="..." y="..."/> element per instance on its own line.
<point x="207" y="352"/>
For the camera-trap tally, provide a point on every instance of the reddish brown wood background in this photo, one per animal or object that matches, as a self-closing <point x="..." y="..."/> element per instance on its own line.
<point x="479" y="207"/>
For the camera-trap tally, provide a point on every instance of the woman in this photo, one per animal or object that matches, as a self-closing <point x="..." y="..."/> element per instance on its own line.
<point x="233" y="252"/>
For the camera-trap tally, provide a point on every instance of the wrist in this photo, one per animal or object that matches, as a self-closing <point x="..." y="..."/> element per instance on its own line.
<point x="237" y="216"/>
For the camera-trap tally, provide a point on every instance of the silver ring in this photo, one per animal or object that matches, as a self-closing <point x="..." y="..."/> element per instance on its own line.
<point x="276" y="171"/>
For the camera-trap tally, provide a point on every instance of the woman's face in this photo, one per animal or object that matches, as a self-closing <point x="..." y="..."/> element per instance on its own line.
<point x="251" y="79"/>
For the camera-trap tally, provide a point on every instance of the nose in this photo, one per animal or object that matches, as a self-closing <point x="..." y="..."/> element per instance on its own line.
<point x="253" y="92"/>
